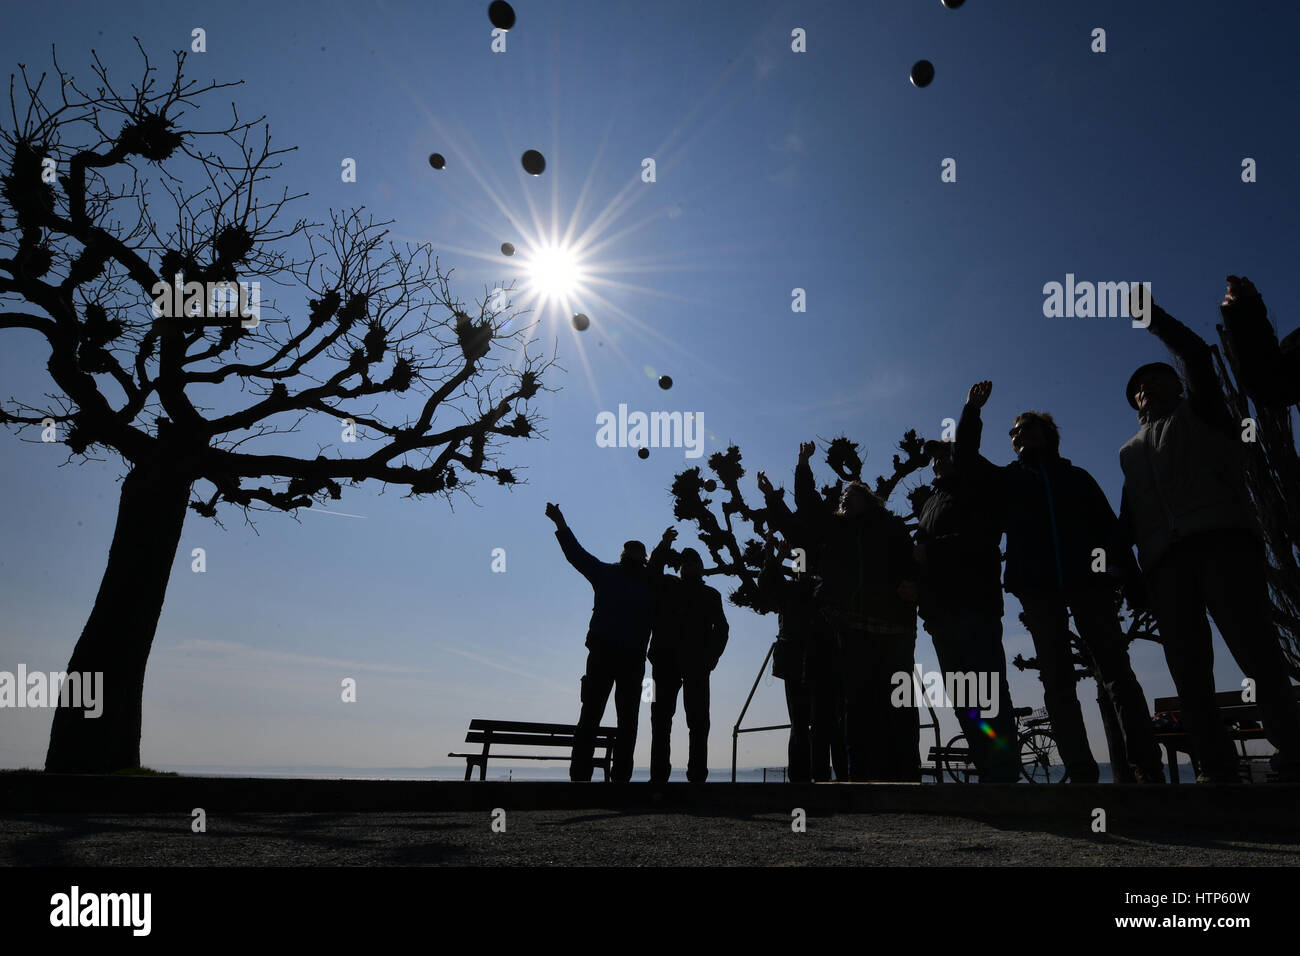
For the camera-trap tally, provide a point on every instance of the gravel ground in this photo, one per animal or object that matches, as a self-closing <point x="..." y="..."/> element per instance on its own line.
<point x="610" y="838"/>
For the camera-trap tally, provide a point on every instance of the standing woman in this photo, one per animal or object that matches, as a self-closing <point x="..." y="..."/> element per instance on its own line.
<point x="868" y="597"/>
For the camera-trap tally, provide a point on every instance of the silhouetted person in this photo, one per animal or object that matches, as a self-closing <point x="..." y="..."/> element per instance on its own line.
<point x="690" y="634"/>
<point x="792" y="602"/>
<point x="1270" y="371"/>
<point x="960" y="600"/>
<point x="806" y="656"/>
<point x="617" y="636"/>
<point x="1056" y="517"/>
<point x="1187" y="507"/>
<point x="867" y="594"/>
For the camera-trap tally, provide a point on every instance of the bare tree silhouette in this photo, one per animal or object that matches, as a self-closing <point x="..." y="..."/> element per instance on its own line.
<point x="85" y="262"/>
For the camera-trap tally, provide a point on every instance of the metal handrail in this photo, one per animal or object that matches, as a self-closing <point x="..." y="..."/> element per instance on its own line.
<point x="737" y="730"/>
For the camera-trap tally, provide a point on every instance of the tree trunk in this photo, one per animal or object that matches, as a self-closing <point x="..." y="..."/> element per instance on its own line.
<point x="119" y="633"/>
<point x="1120" y="769"/>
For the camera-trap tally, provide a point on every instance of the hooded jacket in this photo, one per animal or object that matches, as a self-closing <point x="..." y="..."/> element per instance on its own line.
<point x="1184" y="472"/>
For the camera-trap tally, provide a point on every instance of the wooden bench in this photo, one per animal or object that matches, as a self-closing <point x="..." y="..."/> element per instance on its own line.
<point x="956" y="759"/>
<point x="517" y="733"/>
<point x="1243" y="724"/>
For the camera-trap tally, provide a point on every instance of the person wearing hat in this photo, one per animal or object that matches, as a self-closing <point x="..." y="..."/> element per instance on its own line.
<point x="960" y="601"/>
<point x="690" y="634"/>
<point x="1270" y="372"/>
<point x="1186" y="506"/>
<point x="1057" y="520"/>
<point x="621" y="618"/>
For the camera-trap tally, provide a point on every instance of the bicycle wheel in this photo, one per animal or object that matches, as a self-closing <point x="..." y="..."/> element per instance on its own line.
<point x="956" y="760"/>
<point x="1039" y="760"/>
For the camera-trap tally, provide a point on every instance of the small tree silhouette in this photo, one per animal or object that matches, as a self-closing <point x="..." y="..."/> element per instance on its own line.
<point x="85" y="269"/>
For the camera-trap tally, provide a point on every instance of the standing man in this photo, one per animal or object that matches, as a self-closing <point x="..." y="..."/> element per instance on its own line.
<point x="617" y="636"/>
<point x="689" y="636"/>
<point x="1063" y="547"/>
<point x="1186" y="505"/>
<point x="960" y="600"/>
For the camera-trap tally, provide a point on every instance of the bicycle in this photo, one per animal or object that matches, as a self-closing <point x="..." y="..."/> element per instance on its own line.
<point x="1039" y="759"/>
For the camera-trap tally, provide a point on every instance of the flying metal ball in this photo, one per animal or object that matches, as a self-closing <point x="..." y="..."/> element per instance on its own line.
<point x="953" y="4"/>
<point x="501" y="14"/>
<point x="580" y="321"/>
<point x="710" y="485"/>
<point x="922" y="73"/>
<point x="665" y="382"/>
<point x="534" y="162"/>
<point x="507" y="249"/>
<point x="437" y="161"/>
<point x="643" y="453"/>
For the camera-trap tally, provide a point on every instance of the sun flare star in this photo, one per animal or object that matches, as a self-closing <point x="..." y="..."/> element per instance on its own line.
<point x="554" y="273"/>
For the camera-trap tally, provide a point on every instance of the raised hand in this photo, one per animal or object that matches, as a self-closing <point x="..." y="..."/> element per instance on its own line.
<point x="553" y="512"/>
<point x="979" y="394"/>
<point x="806" y="450"/>
<point x="669" y="536"/>
<point x="1239" y="287"/>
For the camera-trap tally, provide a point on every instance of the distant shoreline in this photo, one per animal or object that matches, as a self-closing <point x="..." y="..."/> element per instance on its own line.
<point x="498" y="772"/>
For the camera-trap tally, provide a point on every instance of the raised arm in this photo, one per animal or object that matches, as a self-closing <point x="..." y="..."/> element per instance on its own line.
<point x="779" y="516"/>
<point x="1194" y="352"/>
<point x="811" y="507"/>
<point x="574" y="553"/>
<point x="659" y="556"/>
<point x="1264" y="372"/>
<point x="966" y="454"/>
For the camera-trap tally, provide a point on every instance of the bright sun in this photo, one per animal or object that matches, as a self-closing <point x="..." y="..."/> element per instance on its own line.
<point x="554" y="273"/>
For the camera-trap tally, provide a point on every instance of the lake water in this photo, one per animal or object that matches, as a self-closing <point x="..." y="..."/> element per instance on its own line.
<point x="559" y="772"/>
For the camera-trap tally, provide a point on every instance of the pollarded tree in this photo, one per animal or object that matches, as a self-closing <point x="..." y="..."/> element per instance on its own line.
<point x="722" y="538"/>
<point x="183" y="387"/>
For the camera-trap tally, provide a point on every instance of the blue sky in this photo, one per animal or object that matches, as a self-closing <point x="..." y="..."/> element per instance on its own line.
<point x="776" y="170"/>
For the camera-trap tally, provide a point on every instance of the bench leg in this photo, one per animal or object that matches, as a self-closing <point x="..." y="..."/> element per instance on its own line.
<point x="469" y="767"/>
<point x="1171" y="758"/>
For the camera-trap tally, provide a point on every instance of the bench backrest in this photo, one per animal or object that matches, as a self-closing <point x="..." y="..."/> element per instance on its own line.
<point x="528" y="734"/>
<point x="1228" y="701"/>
